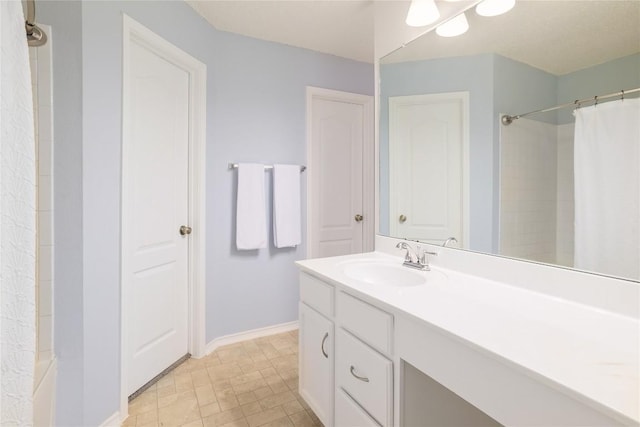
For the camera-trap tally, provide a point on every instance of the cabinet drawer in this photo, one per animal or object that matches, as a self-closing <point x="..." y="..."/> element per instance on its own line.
<point x="367" y="322"/>
<point x="350" y="414"/>
<point x="317" y="294"/>
<point x="366" y="375"/>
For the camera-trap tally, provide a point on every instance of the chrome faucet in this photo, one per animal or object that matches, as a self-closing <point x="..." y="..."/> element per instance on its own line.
<point x="450" y="240"/>
<point x="415" y="259"/>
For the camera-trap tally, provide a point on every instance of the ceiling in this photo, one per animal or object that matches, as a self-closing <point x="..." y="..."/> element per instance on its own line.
<point x="556" y="36"/>
<point x="338" y="27"/>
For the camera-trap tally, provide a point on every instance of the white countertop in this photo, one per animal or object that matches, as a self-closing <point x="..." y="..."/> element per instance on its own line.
<point x="592" y="354"/>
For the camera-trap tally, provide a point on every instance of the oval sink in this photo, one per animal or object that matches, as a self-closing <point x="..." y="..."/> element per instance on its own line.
<point x="385" y="273"/>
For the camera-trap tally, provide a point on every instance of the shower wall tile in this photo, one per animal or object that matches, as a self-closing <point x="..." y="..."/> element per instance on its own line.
<point x="41" y="78"/>
<point x="45" y="263"/>
<point x="45" y="92"/>
<point x="44" y="333"/>
<point x="44" y="159"/>
<point x="45" y="196"/>
<point x="45" y="228"/>
<point x="565" y="237"/>
<point x="45" y="129"/>
<point x="528" y="168"/>
<point x="46" y="298"/>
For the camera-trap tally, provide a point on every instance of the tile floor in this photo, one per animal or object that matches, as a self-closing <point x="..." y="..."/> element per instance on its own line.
<point x="248" y="384"/>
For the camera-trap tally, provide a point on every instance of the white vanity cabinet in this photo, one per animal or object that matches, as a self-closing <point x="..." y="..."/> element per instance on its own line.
<point x="363" y="350"/>
<point x="366" y="376"/>
<point x="316" y="346"/>
<point x="349" y="413"/>
<point x="463" y="350"/>
<point x="350" y="371"/>
<point x="316" y="362"/>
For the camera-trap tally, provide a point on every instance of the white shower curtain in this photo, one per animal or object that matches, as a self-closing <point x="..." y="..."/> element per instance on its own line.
<point x="17" y="221"/>
<point x="607" y="188"/>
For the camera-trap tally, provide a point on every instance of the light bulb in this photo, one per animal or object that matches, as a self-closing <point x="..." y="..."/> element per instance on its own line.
<point x="422" y="12"/>
<point x="453" y="27"/>
<point x="494" y="7"/>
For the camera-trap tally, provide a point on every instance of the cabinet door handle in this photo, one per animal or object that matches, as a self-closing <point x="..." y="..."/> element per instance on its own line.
<point x="365" y="379"/>
<point x="324" y="353"/>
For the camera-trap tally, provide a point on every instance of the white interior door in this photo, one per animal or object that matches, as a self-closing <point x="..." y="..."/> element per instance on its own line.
<point x="427" y="159"/>
<point x="155" y="206"/>
<point x="339" y="135"/>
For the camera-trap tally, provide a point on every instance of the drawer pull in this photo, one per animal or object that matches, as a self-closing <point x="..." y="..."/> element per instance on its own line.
<point x="365" y="379"/>
<point x="324" y="353"/>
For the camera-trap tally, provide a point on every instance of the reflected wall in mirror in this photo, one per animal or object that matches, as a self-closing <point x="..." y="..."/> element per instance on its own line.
<point x="449" y="168"/>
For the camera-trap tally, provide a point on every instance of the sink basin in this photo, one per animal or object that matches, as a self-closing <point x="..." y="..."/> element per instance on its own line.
<point x="385" y="273"/>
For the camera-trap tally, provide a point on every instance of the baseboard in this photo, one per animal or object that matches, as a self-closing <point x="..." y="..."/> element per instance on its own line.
<point x="113" y="421"/>
<point x="249" y="335"/>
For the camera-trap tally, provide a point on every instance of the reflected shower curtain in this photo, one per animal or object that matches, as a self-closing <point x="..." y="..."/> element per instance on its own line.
<point x="17" y="221"/>
<point x="607" y="188"/>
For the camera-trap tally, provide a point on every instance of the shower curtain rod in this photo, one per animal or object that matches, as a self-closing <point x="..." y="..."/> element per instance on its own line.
<point x="507" y="119"/>
<point x="35" y="36"/>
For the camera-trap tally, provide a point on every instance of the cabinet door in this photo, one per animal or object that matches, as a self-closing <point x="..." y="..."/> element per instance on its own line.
<point x="316" y="363"/>
<point x="349" y="413"/>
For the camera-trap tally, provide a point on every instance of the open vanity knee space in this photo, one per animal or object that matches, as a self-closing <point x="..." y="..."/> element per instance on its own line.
<point x="449" y="349"/>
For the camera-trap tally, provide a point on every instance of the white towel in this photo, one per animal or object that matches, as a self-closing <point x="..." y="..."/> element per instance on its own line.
<point x="286" y="206"/>
<point x="251" y="222"/>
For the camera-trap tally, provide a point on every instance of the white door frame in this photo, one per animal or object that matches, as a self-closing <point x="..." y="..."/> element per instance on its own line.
<point x="398" y="101"/>
<point x="368" y="163"/>
<point x="136" y="32"/>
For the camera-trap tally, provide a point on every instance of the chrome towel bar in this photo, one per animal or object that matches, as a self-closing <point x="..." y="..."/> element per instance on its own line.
<point x="266" y="167"/>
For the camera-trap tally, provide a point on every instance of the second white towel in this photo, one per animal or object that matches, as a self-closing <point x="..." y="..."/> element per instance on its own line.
<point x="286" y="206"/>
<point x="251" y="222"/>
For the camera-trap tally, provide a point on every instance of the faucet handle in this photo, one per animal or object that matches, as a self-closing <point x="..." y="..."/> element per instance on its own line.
<point x="422" y="255"/>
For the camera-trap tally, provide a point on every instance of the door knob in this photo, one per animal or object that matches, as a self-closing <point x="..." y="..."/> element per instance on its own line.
<point x="359" y="218"/>
<point x="402" y="219"/>
<point x="185" y="229"/>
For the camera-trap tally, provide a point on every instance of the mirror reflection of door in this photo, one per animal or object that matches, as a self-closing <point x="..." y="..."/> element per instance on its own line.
<point x="428" y="137"/>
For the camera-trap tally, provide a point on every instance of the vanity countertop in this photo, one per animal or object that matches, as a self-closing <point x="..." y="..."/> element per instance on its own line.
<point x="589" y="353"/>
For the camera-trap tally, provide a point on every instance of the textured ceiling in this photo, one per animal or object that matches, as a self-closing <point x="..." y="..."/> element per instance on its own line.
<point x="338" y="27"/>
<point x="557" y="36"/>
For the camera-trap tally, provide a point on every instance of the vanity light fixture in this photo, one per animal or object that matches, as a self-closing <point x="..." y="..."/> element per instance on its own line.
<point x="454" y="27"/>
<point x="494" y="7"/>
<point x="422" y="12"/>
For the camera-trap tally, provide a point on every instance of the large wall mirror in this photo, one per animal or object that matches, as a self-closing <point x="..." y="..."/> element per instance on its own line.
<point x="448" y="167"/>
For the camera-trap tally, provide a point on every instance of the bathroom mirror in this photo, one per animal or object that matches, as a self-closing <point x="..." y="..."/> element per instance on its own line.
<point x="498" y="189"/>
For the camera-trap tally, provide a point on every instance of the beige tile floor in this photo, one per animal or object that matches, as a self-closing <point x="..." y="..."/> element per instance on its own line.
<point x="248" y="384"/>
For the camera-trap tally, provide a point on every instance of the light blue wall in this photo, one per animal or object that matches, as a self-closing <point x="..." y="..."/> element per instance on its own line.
<point x="519" y="88"/>
<point x="255" y="112"/>
<point x="65" y="18"/>
<point x="258" y="114"/>
<point x="610" y="77"/>
<point x="475" y="75"/>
